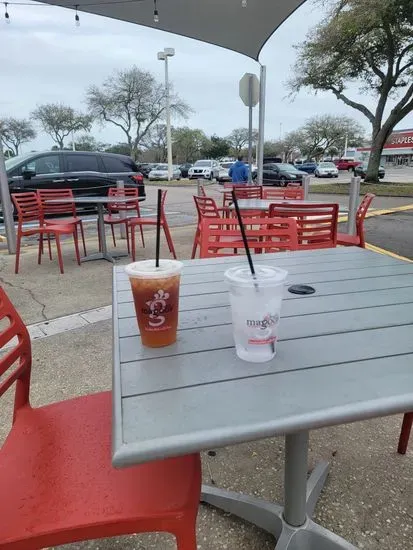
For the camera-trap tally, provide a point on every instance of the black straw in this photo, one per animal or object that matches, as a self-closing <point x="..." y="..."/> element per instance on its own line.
<point x="244" y="236"/>
<point x="158" y="227"/>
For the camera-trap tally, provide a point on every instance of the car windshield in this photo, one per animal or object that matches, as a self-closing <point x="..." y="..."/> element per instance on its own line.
<point x="327" y="165"/>
<point x="287" y="167"/>
<point x="161" y="167"/>
<point x="226" y="165"/>
<point x="14" y="161"/>
<point x="203" y="163"/>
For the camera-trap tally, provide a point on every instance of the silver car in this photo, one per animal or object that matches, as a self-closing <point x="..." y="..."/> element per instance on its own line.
<point x="160" y="172"/>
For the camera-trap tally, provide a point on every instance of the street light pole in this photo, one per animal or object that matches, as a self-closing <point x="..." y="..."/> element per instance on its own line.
<point x="7" y="206"/>
<point x="163" y="56"/>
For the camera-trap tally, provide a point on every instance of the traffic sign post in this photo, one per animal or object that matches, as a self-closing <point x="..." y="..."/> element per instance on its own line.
<point x="249" y="92"/>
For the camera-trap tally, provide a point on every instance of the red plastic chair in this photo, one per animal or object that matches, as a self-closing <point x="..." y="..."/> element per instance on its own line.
<point x="316" y="223"/>
<point x="206" y="208"/>
<point x="248" y="192"/>
<point x="227" y="195"/>
<point x="282" y="193"/>
<point x="29" y="209"/>
<point x="405" y="433"/>
<point x="61" y="208"/>
<point x="134" y="222"/>
<point x="56" y="479"/>
<point x="358" y="239"/>
<point x="269" y="235"/>
<point x="114" y="208"/>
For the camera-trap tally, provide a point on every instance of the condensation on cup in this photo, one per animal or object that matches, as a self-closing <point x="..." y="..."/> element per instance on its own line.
<point x="256" y="308"/>
<point x="155" y="293"/>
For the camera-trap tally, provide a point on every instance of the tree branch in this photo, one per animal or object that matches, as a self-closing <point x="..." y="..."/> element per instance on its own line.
<point x="360" y="107"/>
<point x="399" y="61"/>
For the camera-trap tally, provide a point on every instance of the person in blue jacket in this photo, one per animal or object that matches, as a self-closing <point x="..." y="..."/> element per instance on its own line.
<point x="239" y="171"/>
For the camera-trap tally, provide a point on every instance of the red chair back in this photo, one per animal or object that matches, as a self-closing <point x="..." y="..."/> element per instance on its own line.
<point x="222" y="237"/>
<point x="316" y="223"/>
<point x="361" y="214"/>
<point x="206" y="208"/>
<point x="227" y="196"/>
<point x="282" y="193"/>
<point x="59" y="207"/>
<point x="130" y="192"/>
<point x="28" y="206"/>
<point x="248" y="192"/>
<point x="17" y="357"/>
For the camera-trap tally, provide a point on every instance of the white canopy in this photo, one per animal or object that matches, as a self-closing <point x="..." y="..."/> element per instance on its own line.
<point x="221" y="22"/>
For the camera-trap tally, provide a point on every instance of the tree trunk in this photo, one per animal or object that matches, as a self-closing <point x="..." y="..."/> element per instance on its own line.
<point x="378" y="140"/>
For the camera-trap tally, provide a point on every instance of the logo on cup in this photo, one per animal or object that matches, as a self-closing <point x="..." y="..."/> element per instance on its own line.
<point x="268" y="321"/>
<point x="157" y="307"/>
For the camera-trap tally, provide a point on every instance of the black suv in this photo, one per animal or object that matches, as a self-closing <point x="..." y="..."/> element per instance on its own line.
<point x="84" y="172"/>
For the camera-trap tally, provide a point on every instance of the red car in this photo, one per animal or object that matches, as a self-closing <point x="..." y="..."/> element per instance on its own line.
<point x="346" y="164"/>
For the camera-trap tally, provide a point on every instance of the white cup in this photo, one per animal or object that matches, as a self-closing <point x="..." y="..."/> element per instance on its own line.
<point x="256" y="307"/>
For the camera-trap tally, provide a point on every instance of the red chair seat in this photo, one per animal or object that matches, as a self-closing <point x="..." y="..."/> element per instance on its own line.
<point x="109" y="218"/>
<point x="63" y="221"/>
<point x="144" y="221"/>
<point x="348" y="240"/>
<point x="61" y="229"/>
<point x="57" y="475"/>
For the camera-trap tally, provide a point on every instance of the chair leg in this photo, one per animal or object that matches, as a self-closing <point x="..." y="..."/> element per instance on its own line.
<point x="405" y="433"/>
<point x="132" y="230"/>
<point x="186" y="539"/>
<point x="59" y="253"/>
<point x="127" y="236"/>
<point x="195" y="246"/>
<point x="83" y="237"/>
<point x="40" y="252"/>
<point x="100" y="244"/>
<point x="76" y="241"/>
<point x="50" y="247"/>
<point x="17" y="262"/>
<point x="169" y="239"/>
<point x="113" y="234"/>
<point x="143" y="240"/>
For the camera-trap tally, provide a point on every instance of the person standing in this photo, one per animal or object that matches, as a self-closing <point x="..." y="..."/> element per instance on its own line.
<point x="239" y="171"/>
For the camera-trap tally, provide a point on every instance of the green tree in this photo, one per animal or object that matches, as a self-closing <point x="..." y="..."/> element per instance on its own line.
<point x="119" y="149"/>
<point x="59" y="121"/>
<point x="188" y="143"/>
<point x="14" y="132"/>
<point x="216" y="148"/>
<point x="238" y="139"/>
<point x="155" y="141"/>
<point x="369" y="43"/>
<point x="133" y="101"/>
<point x="87" y="142"/>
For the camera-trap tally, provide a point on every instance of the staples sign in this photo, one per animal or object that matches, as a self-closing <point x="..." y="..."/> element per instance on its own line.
<point x="400" y="139"/>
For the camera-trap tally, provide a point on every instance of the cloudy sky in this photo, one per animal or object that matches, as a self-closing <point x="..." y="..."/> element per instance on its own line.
<point x="45" y="58"/>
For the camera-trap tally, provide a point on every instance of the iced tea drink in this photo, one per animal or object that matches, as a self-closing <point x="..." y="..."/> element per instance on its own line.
<point x="156" y="296"/>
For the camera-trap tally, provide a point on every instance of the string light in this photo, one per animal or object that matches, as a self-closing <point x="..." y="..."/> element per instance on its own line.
<point x="77" y="19"/>
<point x="155" y="13"/>
<point x="244" y="3"/>
<point x="6" y="13"/>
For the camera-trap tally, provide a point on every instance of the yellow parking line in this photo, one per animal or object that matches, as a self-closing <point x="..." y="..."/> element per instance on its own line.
<point x="381" y="212"/>
<point x="379" y="250"/>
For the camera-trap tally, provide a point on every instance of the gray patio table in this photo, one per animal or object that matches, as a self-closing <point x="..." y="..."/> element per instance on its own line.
<point x="264" y="204"/>
<point x="345" y="354"/>
<point x="99" y="202"/>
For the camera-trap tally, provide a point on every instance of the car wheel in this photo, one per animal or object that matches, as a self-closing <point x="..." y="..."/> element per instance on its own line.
<point x="336" y="176"/>
<point x="283" y="182"/>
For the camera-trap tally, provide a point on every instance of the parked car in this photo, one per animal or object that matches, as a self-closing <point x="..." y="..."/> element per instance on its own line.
<point x="160" y="172"/>
<point x="85" y="173"/>
<point x="347" y="163"/>
<point x="223" y="175"/>
<point x="206" y="169"/>
<point x="146" y="167"/>
<point x="280" y="174"/>
<point x="308" y="167"/>
<point x="326" y="170"/>
<point x="184" y="169"/>
<point x="361" y="170"/>
<point x="268" y="160"/>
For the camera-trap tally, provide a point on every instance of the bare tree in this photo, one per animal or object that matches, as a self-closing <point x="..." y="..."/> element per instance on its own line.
<point x="238" y="139"/>
<point x="156" y="141"/>
<point x="14" y="132"/>
<point x="365" y="42"/>
<point x="133" y="101"/>
<point x="59" y="121"/>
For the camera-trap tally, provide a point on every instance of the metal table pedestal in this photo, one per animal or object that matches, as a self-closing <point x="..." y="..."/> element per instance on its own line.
<point x="292" y="525"/>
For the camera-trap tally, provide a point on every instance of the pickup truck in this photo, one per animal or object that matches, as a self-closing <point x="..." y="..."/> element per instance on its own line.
<point x="347" y="164"/>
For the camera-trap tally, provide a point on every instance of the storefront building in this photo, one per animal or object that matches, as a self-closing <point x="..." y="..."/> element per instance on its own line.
<point x="397" y="151"/>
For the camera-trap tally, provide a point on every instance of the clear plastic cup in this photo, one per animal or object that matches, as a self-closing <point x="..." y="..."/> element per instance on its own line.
<point x="256" y="307"/>
<point x="156" y="296"/>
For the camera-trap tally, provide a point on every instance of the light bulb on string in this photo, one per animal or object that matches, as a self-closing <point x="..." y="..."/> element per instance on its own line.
<point x="6" y="13"/>
<point x="77" y="18"/>
<point x="244" y="3"/>
<point x="155" y="13"/>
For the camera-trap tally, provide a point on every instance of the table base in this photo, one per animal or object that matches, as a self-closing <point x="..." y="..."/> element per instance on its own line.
<point x="291" y="525"/>
<point x="109" y="257"/>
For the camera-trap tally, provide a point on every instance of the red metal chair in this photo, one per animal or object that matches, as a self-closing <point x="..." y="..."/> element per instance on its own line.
<point x="206" y="208"/>
<point x="248" y="192"/>
<point x="227" y="195"/>
<point x="29" y="209"/>
<point x="56" y="479"/>
<point x="270" y="235"/>
<point x="316" y="223"/>
<point x="282" y="193"/>
<point x="114" y="208"/>
<point x="134" y="222"/>
<point x="405" y="433"/>
<point x="63" y="208"/>
<point x="358" y="239"/>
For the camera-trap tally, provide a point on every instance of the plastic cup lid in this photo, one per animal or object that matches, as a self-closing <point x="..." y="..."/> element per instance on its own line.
<point x="265" y="275"/>
<point x="146" y="269"/>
